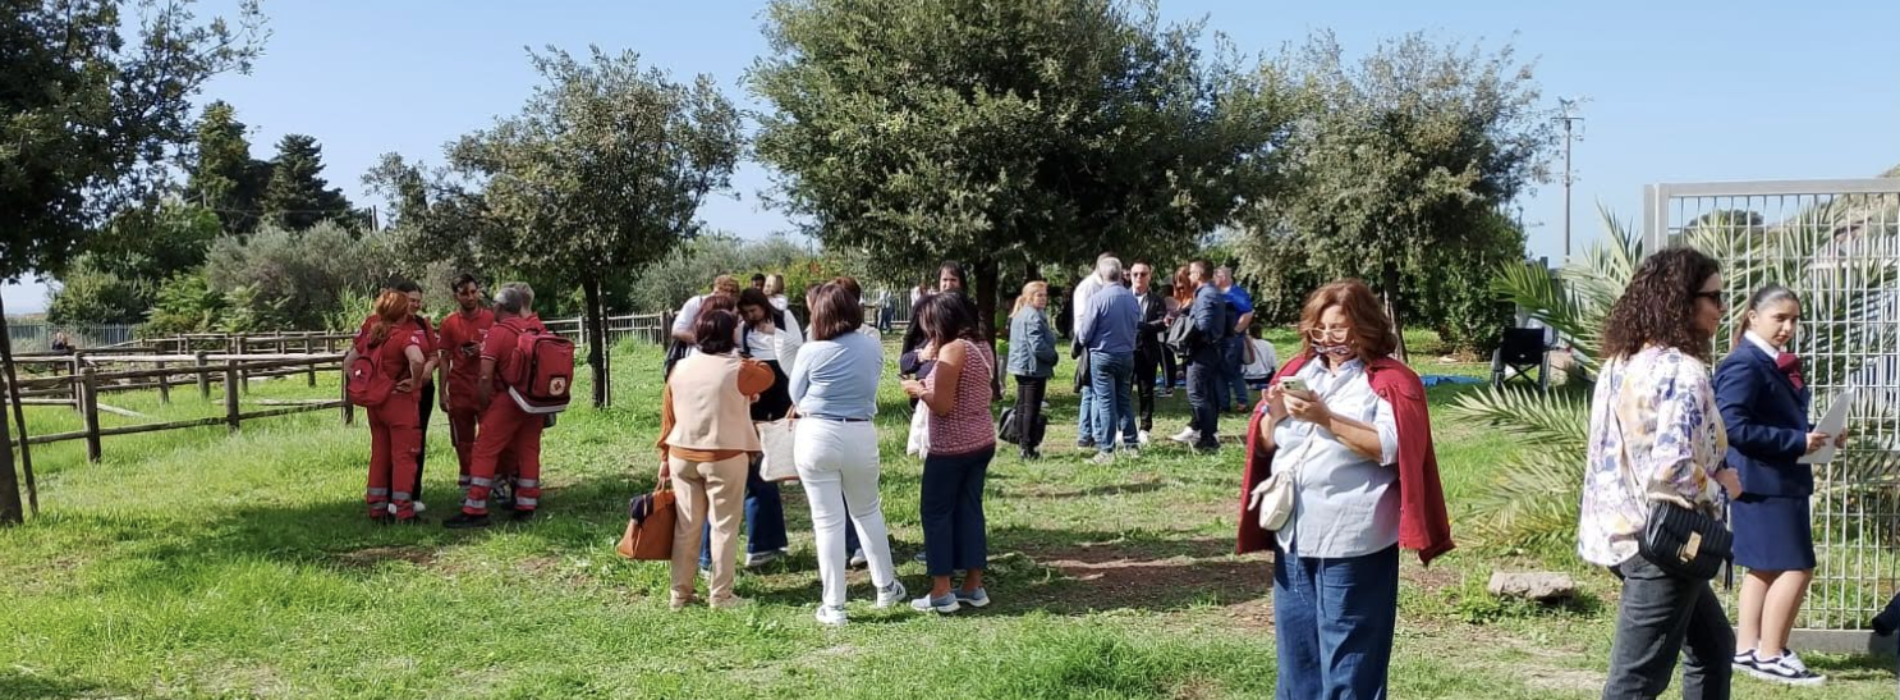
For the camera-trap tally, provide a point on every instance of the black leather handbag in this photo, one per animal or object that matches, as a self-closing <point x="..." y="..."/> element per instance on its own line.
<point x="1684" y="542"/>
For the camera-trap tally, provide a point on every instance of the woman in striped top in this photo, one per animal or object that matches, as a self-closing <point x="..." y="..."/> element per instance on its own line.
<point x="962" y="441"/>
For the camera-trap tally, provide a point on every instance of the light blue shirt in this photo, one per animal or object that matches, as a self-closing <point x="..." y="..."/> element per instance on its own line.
<point x="838" y="378"/>
<point x="1111" y="317"/>
<point x="1344" y="505"/>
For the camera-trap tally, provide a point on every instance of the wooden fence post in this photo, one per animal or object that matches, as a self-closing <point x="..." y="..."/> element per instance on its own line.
<point x="79" y="363"/>
<point x="164" y="387"/>
<point x="243" y="375"/>
<point x="231" y="381"/>
<point x="343" y="387"/>
<point x="312" y="376"/>
<point x="89" y="409"/>
<point x="204" y="376"/>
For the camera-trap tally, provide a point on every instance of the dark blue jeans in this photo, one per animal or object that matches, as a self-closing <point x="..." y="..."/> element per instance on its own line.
<point x="1203" y="376"/>
<point x="1111" y="377"/>
<point x="952" y="511"/>
<point x="1334" y="620"/>
<point x="764" y="519"/>
<point x="1232" y="388"/>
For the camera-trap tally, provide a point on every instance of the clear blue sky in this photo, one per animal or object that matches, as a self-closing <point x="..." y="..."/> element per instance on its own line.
<point x="1678" y="91"/>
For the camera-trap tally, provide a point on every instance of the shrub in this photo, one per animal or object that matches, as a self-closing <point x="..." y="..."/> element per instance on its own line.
<point x="295" y="278"/>
<point x="185" y="303"/>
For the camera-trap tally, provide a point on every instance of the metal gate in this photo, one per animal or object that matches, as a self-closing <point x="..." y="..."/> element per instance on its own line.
<point x="1837" y="244"/>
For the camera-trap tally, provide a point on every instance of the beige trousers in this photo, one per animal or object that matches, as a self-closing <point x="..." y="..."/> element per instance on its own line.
<point x="705" y="490"/>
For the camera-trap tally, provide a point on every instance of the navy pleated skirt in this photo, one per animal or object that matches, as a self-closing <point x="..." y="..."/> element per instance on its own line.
<point x="1773" y="533"/>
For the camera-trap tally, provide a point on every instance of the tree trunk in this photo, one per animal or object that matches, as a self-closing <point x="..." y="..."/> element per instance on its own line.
<point x="1391" y="293"/>
<point x="988" y="288"/>
<point x="596" y="339"/>
<point x="10" y="511"/>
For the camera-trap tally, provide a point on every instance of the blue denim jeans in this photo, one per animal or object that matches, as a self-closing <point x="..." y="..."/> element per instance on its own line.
<point x="951" y="506"/>
<point x="1334" y="620"/>
<point x="1203" y="376"/>
<point x="1111" y="387"/>
<point x="1232" y="387"/>
<point x="764" y="519"/>
<point x="1085" y="416"/>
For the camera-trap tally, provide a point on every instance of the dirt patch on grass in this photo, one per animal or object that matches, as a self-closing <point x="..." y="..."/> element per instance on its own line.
<point x="1146" y="574"/>
<point x="372" y="556"/>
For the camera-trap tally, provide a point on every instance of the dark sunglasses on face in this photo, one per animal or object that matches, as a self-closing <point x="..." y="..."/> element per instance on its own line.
<point x="1718" y="298"/>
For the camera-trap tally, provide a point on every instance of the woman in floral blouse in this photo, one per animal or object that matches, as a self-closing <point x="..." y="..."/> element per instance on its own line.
<point x="1655" y="434"/>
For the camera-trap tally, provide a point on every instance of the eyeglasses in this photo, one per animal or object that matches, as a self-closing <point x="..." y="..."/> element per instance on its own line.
<point x="1330" y="334"/>
<point x="1718" y="298"/>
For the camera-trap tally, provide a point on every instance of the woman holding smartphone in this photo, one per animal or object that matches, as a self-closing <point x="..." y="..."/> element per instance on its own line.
<point x="1765" y="404"/>
<point x="1349" y="425"/>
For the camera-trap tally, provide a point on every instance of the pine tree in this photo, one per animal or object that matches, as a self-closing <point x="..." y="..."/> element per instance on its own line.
<point x="224" y="176"/>
<point x="298" y="197"/>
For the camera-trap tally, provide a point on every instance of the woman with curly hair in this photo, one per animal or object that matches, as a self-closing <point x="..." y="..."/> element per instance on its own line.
<point x="1656" y="435"/>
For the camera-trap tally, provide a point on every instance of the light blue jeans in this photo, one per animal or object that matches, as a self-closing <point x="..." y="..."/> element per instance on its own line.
<point x="1111" y="387"/>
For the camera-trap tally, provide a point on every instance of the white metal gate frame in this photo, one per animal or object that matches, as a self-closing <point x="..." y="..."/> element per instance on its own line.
<point x="1847" y="226"/>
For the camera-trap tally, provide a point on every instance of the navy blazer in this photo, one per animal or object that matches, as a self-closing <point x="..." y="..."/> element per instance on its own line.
<point x="1767" y="421"/>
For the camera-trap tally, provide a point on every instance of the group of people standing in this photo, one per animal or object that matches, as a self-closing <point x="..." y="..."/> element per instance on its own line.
<point x="745" y="362"/>
<point x="454" y="368"/>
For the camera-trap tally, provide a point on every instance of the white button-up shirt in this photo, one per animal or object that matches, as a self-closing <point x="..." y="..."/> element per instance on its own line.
<point x="1344" y="504"/>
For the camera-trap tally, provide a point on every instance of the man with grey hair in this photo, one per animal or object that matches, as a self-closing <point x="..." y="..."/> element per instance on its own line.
<point x="506" y="427"/>
<point x="1084" y="416"/>
<point x="1106" y="328"/>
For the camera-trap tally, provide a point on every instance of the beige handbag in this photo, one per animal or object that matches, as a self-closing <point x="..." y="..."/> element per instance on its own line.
<point x="776" y="442"/>
<point x="1273" y="500"/>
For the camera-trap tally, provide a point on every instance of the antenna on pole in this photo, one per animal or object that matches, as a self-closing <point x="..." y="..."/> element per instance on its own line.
<point x="1567" y="109"/>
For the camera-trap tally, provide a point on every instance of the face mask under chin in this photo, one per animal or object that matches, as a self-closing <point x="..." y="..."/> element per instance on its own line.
<point x="1335" y="351"/>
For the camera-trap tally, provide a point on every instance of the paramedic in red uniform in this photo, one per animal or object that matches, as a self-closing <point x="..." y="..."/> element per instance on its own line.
<point x="394" y="428"/>
<point x="505" y="427"/>
<point x="462" y="335"/>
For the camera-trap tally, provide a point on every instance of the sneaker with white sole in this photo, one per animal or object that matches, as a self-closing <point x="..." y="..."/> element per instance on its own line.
<point x="858" y="560"/>
<point x="1188" y="436"/>
<point x="830" y="616"/>
<point x="892" y="594"/>
<point x="758" y="559"/>
<point x="1142" y="437"/>
<point x="941" y="606"/>
<point x="975" y="599"/>
<point x="1103" y="458"/>
<point x="1786" y="669"/>
<point x="1745" y="661"/>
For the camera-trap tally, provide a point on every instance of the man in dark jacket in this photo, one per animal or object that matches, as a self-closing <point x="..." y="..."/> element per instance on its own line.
<point x="1154" y="322"/>
<point x="1211" y="325"/>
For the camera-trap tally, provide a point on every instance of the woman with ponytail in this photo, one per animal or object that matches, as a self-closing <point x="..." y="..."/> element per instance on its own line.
<point x="395" y="426"/>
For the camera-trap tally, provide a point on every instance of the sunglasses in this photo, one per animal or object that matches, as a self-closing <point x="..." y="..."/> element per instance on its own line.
<point x="1718" y="298"/>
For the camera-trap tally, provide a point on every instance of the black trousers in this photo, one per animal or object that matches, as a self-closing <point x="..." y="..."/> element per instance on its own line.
<point x="1659" y="617"/>
<point x="1203" y="377"/>
<point x="1145" y="365"/>
<point x="428" y="410"/>
<point x="1029" y="393"/>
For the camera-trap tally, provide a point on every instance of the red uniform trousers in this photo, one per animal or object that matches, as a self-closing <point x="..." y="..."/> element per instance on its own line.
<point x="463" y="421"/>
<point x="395" y="430"/>
<point x="505" y="430"/>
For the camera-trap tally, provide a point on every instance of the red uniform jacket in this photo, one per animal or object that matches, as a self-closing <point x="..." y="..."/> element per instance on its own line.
<point x="1423" y="524"/>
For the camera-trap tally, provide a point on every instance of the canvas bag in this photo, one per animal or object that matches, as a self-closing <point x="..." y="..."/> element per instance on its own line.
<point x="776" y="440"/>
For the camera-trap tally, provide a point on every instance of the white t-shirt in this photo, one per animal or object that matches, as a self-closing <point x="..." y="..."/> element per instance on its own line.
<point x="688" y="315"/>
<point x="1264" y="361"/>
<point x="781" y="346"/>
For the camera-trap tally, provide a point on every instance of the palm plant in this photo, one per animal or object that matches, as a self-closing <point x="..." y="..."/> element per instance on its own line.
<point x="1533" y="500"/>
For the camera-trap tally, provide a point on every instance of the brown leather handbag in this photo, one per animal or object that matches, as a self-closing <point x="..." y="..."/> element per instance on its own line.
<point x="650" y="527"/>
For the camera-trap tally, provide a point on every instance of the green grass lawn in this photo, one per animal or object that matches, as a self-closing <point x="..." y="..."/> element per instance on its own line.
<point x="196" y="564"/>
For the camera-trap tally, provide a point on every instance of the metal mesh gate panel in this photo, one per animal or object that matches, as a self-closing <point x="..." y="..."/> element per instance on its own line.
<point x="1837" y="244"/>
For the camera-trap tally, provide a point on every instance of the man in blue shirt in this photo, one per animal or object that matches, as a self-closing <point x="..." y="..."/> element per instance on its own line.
<point x="1211" y="326"/>
<point x="1232" y="388"/>
<point x="1106" y="327"/>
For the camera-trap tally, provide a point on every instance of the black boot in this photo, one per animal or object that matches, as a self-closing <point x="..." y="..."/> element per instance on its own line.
<point x="522" y="516"/>
<point x="464" y="521"/>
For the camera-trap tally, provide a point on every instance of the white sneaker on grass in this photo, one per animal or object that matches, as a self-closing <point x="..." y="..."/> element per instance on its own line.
<point x="1786" y="669"/>
<point x="1142" y="437"/>
<point x="857" y="560"/>
<point x="892" y="594"/>
<point x="1187" y="436"/>
<point x="1103" y="458"/>
<point x="830" y="616"/>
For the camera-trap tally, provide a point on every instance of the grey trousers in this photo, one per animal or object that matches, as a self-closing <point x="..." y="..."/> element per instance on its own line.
<point x="1659" y="617"/>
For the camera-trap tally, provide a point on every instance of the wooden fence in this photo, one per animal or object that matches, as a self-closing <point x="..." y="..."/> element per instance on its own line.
<point x="88" y="376"/>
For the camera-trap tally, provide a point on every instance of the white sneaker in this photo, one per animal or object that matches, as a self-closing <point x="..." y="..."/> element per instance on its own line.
<point x="756" y="560"/>
<point x="830" y="616"/>
<point x="858" y="560"/>
<point x="1103" y="458"/>
<point x="1187" y="436"/>
<point x="1142" y="437"/>
<point x="1786" y="669"/>
<point x="892" y="594"/>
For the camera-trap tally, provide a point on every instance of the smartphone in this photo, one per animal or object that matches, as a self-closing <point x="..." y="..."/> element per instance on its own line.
<point x="1294" y="384"/>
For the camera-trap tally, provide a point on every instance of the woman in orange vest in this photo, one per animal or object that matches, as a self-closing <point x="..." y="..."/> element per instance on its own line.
<point x="395" y="427"/>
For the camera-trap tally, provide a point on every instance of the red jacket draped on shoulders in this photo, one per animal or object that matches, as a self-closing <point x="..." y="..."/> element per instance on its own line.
<point x="1423" y="524"/>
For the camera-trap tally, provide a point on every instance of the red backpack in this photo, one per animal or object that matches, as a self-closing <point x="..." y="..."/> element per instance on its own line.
<point x="367" y="384"/>
<point x="542" y="371"/>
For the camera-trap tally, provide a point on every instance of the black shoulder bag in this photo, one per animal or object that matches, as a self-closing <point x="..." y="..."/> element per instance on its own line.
<point x="1679" y="540"/>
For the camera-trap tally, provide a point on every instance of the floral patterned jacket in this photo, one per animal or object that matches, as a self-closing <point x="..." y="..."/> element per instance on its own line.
<point x="1655" y="433"/>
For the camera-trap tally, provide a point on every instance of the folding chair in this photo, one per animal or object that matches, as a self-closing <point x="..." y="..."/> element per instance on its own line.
<point x="1523" y="350"/>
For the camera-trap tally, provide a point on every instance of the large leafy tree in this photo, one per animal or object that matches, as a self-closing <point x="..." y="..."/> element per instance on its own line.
<point x="297" y="196"/>
<point x="90" y="120"/>
<point x="1025" y="132"/>
<point x="1403" y="156"/>
<point x="223" y="175"/>
<point x="602" y="171"/>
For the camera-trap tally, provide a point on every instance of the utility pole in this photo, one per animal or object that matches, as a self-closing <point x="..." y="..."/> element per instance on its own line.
<point x="1567" y="108"/>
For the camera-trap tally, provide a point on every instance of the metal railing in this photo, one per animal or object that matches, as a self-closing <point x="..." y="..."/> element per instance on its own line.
<point x="1836" y="243"/>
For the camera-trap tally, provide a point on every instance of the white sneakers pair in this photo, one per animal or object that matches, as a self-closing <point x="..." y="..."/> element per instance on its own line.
<point x="886" y="597"/>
